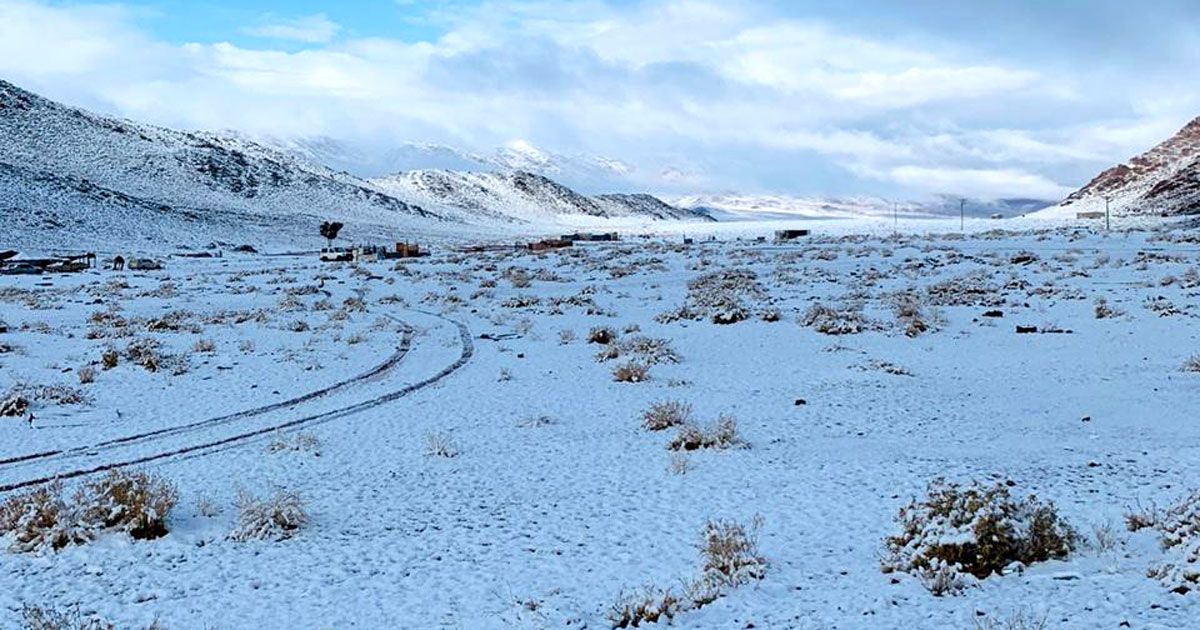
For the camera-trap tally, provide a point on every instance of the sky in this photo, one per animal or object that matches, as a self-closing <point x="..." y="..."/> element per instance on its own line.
<point x="1003" y="98"/>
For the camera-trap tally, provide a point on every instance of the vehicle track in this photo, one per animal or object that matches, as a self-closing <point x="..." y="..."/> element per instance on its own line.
<point x="222" y="443"/>
<point x="93" y="449"/>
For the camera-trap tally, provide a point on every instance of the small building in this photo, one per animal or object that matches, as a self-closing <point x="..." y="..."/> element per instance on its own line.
<point x="592" y="237"/>
<point x="998" y="215"/>
<point x="336" y="254"/>
<point x="1091" y="214"/>
<point x="789" y="235"/>
<point x="548" y="244"/>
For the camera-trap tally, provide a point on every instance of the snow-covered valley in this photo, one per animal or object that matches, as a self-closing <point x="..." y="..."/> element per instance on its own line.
<point x="467" y="433"/>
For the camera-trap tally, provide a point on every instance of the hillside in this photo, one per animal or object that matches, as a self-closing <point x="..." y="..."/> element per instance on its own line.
<point x="1162" y="181"/>
<point x="68" y="176"/>
<point x="518" y="196"/>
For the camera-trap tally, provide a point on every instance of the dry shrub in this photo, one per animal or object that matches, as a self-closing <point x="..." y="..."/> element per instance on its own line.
<point x="719" y="296"/>
<point x="441" y="445"/>
<point x="40" y="519"/>
<point x="1179" y="534"/>
<point x="650" y="350"/>
<point x="723" y="434"/>
<point x="1104" y="311"/>
<point x="834" y="321"/>
<point x="1192" y="364"/>
<point x="144" y="352"/>
<point x="38" y="618"/>
<point x="87" y="375"/>
<point x="730" y="553"/>
<point x="204" y="345"/>
<point x="276" y="518"/>
<point x="667" y="414"/>
<point x="14" y="405"/>
<point x="601" y="335"/>
<point x="566" y="336"/>
<point x="109" y="358"/>
<point x="133" y="502"/>
<point x="975" y="530"/>
<point x="1019" y="620"/>
<point x="651" y="605"/>
<point x="631" y="372"/>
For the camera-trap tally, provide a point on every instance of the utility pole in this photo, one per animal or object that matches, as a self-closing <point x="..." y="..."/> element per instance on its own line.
<point x="896" y="214"/>
<point x="1107" y="221"/>
<point x="962" y="215"/>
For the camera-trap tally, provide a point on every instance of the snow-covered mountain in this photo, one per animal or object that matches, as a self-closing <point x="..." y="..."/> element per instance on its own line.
<point x="71" y="178"/>
<point x="735" y="207"/>
<point x="517" y="195"/>
<point x="93" y="178"/>
<point x="1164" y="180"/>
<point x="586" y="172"/>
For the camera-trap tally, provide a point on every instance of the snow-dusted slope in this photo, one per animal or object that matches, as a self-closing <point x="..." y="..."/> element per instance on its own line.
<point x="517" y="196"/>
<point x="90" y="177"/>
<point x="1164" y="180"/>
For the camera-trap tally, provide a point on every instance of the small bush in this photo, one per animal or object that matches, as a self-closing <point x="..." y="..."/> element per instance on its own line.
<point x="723" y="434"/>
<point x="631" y="372"/>
<point x="1103" y="311"/>
<point x="602" y="335"/>
<point x="276" y="518"/>
<point x="976" y="530"/>
<point x="651" y="605"/>
<point x="109" y="359"/>
<point x="136" y="503"/>
<point x="1179" y="534"/>
<point x="1019" y="620"/>
<point x="87" y="375"/>
<point x="730" y="553"/>
<point x="830" y="321"/>
<point x="441" y="445"/>
<point x="38" y="618"/>
<point x="1192" y="364"/>
<point x="665" y="415"/>
<point x="14" y="405"/>
<point x="204" y="346"/>
<point x="40" y="519"/>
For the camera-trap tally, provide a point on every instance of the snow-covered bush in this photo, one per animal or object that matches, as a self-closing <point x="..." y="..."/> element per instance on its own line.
<point x="834" y="321"/>
<point x="1102" y="309"/>
<point x="723" y="434"/>
<point x="1192" y="364"/>
<point x="38" y="618"/>
<point x="440" y="445"/>
<point x="13" y="405"/>
<point x="631" y="372"/>
<point x="666" y="414"/>
<point x="1179" y="530"/>
<point x="133" y="502"/>
<point x="649" y="350"/>
<point x="650" y="605"/>
<point x="41" y="519"/>
<point x="975" y="530"/>
<point x="601" y="335"/>
<point x="719" y="296"/>
<point x="730" y="553"/>
<point x="276" y="518"/>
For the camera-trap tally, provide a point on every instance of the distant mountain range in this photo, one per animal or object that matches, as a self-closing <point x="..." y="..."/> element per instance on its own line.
<point x="69" y="177"/>
<point x="1162" y="181"/>
<point x="734" y="207"/>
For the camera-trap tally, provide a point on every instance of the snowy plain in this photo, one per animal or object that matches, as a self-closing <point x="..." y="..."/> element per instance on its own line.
<point x="557" y="500"/>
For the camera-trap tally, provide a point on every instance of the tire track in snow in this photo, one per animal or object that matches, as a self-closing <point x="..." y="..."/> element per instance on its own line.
<point x="216" y="445"/>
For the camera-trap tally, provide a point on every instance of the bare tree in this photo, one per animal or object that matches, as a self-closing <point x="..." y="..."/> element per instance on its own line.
<point x="330" y="231"/>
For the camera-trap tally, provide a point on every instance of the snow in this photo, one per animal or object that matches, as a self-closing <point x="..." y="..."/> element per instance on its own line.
<point x="537" y="524"/>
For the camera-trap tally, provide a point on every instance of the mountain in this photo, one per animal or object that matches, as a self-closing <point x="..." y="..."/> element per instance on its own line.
<point x="518" y="196"/>
<point x="738" y="207"/>
<point x="580" y="172"/>
<point x="95" y="179"/>
<point x="1162" y="181"/>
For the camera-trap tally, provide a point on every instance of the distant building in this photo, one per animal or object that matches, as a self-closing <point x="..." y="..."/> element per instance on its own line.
<point x="789" y="235"/>
<point x="548" y="244"/>
<point x="591" y="236"/>
<point x="1091" y="214"/>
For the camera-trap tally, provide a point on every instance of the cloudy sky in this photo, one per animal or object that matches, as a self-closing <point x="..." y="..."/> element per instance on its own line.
<point x="984" y="98"/>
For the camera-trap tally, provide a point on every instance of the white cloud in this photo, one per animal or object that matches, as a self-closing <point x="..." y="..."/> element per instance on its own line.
<point x="310" y="29"/>
<point x="742" y="98"/>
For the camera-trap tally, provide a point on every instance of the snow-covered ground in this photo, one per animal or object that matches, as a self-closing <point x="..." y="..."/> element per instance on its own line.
<point x="557" y="499"/>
